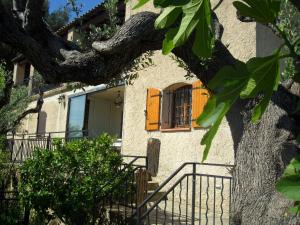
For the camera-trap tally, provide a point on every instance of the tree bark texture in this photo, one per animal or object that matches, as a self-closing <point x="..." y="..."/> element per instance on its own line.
<point x="262" y="150"/>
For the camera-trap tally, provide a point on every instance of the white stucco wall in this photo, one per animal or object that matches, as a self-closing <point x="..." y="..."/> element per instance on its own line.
<point x="180" y="147"/>
<point x="176" y="147"/>
<point x="53" y="117"/>
<point x="104" y="117"/>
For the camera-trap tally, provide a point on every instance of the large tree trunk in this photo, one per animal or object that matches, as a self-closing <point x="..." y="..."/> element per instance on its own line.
<point x="262" y="153"/>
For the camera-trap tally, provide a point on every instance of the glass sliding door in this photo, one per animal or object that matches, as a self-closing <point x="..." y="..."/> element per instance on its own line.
<point x="76" y="116"/>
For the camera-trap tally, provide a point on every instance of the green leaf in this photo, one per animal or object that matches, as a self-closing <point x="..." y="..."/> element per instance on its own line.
<point x="167" y="17"/>
<point x="209" y="136"/>
<point x="264" y="78"/>
<point x="167" y="3"/>
<point x="168" y="45"/>
<point x="293" y="168"/>
<point x="295" y="209"/>
<point x="204" y="39"/>
<point x="140" y="4"/>
<point x="189" y="21"/>
<point x="263" y="11"/>
<point x="226" y="86"/>
<point x="289" y="186"/>
<point x="196" y="18"/>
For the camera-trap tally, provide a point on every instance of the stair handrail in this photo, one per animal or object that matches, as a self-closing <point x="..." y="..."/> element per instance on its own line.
<point x="172" y="187"/>
<point x="127" y="165"/>
<point x="144" y="203"/>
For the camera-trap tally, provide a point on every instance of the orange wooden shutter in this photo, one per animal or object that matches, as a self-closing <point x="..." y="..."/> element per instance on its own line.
<point x="153" y="109"/>
<point x="200" y="96"/>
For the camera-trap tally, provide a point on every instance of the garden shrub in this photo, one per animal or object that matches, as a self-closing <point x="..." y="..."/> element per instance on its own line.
<point x="72" y="181"/>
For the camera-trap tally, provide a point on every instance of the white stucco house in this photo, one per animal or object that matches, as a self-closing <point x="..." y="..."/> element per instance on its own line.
<point x="161" y="103"/>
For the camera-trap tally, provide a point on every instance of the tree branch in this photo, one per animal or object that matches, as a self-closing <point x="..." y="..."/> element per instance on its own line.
<point x="107" y="59"/>
<point x="33" y="15"/>
<point x="36" y="109"/>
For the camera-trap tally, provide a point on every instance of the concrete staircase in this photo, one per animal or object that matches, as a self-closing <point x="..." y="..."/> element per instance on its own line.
<point x="151" y="187"/>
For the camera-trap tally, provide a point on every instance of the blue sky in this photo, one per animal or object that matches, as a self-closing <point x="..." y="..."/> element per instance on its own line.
<point x="87" y="4"/>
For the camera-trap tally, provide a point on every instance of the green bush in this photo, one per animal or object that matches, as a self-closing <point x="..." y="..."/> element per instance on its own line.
<point x="72" y="181"/>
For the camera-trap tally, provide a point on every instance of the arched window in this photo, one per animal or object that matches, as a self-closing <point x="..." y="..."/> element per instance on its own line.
<point x="177" y="106"/>
<point x="182" y="98"/>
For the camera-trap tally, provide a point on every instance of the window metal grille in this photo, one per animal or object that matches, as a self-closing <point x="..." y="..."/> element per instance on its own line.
<point x="182" y="107"/>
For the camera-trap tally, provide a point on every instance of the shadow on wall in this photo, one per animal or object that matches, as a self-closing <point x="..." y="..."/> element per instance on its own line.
<point x="42" y="119"/>
<point x="266" y="41"/>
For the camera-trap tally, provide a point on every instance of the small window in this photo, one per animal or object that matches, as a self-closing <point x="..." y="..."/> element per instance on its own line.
<point x="182" y="107"/>
<point x="177" y="107"/>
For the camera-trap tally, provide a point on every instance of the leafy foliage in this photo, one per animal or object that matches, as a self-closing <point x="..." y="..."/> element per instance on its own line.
<point x="264" y="78"/>
<point x="226" y="91"/>
<point x="263" y="11"/>
<point x="17" y="105"/>
<point x="196" y="17"/>
<point x="289" y="22"/>
<point x="289" y="184"/>
<point x="58" y="18"/>
<point x="3" y="73"/>
<point x="103" y="32"/>
<point x="72" y="181"/>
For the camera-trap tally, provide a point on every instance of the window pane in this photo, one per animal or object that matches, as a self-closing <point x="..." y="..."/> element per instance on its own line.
<point x="182" y="107"/>
<point x="76" y="116"/>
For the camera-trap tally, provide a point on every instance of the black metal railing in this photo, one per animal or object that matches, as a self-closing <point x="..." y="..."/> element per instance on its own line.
<point x="52" y="134"/>
<point x="21" y="146"/>
<point x="199" y="195"/>
<point x="121" y="206"/>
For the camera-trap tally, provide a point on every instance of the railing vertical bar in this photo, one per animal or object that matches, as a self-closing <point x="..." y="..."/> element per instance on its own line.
<point x="200" y="200"/>
<point x="148" y="220"/>
<point x="214" y="212"/>
<point x="131" y="191"/>
<point x="187" y="200"/>
<point x="207" y="197"/>
<point x="173" y="196"/>
<point x="180" y="200"/>
<point x="27" y="149"/>
<point x="48" y="141"/>
<point x="222" y="201"/>
<point x="22" y="144"/>
<point x="230" y="190"/>
<point x="193" y="193"/>
<point x="12" y="146"/>
<point x="156" y="214"/>
<point x="125" y="198"/>
<point x="165" y="211"/>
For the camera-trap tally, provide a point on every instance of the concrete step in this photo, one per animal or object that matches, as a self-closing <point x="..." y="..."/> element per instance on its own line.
<point x="152" y="185"/>
<point x="157" y="196"/>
